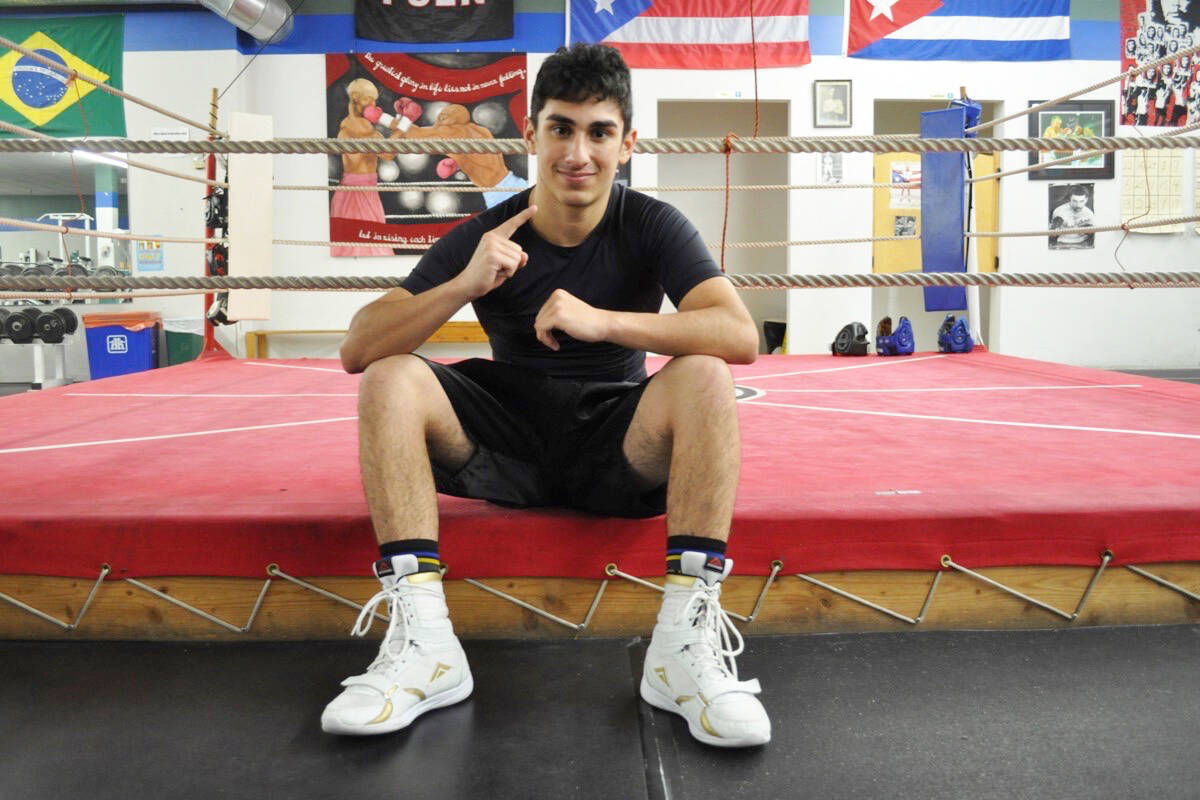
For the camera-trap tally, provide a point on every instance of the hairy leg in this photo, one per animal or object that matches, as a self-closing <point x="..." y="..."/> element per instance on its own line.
<point x="404" y="420"/>
<point x="685" y="431"/>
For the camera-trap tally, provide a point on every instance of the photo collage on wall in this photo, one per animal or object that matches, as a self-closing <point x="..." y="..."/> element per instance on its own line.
<point x="1169" y="95"/>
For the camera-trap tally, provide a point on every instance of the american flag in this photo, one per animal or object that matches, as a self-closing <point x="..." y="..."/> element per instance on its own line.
<point x="697" y="34"/>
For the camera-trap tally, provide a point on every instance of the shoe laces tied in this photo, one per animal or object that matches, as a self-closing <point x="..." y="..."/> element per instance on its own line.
<point x="721" y="637"/>
<point x="397" y="640"/>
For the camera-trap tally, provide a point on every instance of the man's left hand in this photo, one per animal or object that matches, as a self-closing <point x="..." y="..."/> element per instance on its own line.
<point x="565" y="312"/>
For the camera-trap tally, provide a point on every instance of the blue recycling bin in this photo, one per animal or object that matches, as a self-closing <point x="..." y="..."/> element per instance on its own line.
<point x="121" y="343"/>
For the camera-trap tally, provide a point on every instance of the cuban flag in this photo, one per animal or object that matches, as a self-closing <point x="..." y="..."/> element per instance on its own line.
<point x="960" y="30"/>
<point x="697" y="34"/>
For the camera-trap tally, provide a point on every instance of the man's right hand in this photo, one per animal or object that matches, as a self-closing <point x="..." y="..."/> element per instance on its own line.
<point x="497" y="258"/>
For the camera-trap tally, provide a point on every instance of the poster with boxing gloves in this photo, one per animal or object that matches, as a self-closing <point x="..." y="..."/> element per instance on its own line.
<point x="429" y="96"/>
<point x="1169" y="95"/>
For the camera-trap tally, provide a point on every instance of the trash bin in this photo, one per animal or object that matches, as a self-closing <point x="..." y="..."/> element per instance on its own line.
<point x="185" y="339"/>
<point x="122" y="342"/>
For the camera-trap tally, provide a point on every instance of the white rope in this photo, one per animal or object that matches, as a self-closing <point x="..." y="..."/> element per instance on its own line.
<point x="662" y="146"/>
<point x="1072" y="158"/>
<point x="740" y="280"/>
<point x="5" y="126"/>
<point x="807" y="242"/>
<point x="461" y="187"/>
<point x="129" y="237"/>
<point x="1125" y="226"/>
<point x="116" y="293"/>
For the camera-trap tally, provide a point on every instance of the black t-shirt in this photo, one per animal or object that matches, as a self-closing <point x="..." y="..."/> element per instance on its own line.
<point x="641" y="249"/>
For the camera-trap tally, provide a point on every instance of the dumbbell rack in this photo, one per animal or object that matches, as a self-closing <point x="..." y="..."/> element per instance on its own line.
<point x="58" y="359"/>
<point x="40" y="381"/>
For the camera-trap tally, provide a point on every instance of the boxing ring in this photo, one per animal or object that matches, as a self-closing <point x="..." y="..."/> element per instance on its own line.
<point x="221" y="498"/>
<point x="926" y="465"/>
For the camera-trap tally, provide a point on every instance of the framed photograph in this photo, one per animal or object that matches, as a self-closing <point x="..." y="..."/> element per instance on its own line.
<point x="1072" y="206"/>
<point x="831" y="104"/>
<point x="1073" y="118"/>
<point x="829" y="168"/>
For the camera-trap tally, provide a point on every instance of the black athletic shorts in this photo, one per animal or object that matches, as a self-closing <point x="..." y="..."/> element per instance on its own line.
<point x="543" y="441"/>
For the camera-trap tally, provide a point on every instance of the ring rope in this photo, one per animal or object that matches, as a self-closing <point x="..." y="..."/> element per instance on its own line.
<point x="1125" y="226"/>
<point x="6" y="126"/>
<point x="104" y="87"/>
<point x="661" y="146"/>
<point x="311" y="243"/>
<point x="116" y="293"/>
<point x="129" y="237"/>
<point x="1130" y="73"/>
<point x="1074" y="157"/>
<point x="807" y="242"/>
<point x="742" y="281"/>
<point x="421" y="186"/>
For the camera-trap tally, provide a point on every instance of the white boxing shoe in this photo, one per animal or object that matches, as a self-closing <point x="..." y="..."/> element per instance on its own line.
<point x="690" y="666"/>
<point x="421" y="664"/>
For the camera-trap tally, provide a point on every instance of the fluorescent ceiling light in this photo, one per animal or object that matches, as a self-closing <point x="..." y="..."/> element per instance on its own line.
<point x="99" y="159"/>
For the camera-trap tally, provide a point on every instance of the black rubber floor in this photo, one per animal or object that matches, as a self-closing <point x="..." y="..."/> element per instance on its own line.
<point x="1090" y="713"/>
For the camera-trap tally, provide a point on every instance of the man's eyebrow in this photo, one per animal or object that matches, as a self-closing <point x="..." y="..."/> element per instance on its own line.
<point x="565" y="120"/>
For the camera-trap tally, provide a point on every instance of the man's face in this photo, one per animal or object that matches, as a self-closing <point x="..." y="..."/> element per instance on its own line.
<point x="1173" y="10"/>
<point x="579" y="147"/>
<point x="1078" y="201"/>
<point x="363" y="99"/>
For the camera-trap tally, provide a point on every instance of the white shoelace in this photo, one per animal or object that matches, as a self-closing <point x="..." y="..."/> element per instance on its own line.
<point x="399" y="604"/>
<point x="718" y="630"/>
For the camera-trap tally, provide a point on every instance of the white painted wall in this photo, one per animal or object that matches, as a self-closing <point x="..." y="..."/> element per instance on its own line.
<point x="1116" y="328"/>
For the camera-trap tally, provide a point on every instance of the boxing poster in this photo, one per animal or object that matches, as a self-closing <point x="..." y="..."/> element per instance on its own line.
<point x="1167" y="96"/>
<point x="420" y="96"/>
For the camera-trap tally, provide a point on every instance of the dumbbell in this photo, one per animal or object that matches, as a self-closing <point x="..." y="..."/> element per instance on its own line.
<point x="11" y="270"/>
<point x="38" y="269"/>
<point x="49" y="327"/>
<point x="17" y="325"/>
<point x="52" y="326"/>
<point x="71" y="270"/>
<point x="69" y="320"/>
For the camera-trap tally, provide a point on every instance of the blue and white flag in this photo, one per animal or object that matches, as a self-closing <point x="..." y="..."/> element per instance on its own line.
<point x="960" y="30"/>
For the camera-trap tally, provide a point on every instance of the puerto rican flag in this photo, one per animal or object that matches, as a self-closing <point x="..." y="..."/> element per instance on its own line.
<point x="697" y="34"/>
<point x="960" y="30"/>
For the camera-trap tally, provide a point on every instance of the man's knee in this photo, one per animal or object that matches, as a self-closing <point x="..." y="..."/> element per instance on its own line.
<point x="390" y="377"/>
<point x="402" y="383"/>
<point x="701" y="377"/>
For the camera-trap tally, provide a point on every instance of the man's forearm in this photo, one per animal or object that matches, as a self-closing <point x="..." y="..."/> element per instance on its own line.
<point x="397" y="324"/>
<point x="705" y="331"/>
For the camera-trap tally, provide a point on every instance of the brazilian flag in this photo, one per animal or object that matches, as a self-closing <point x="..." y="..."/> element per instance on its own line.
<point x="34" y="95"/>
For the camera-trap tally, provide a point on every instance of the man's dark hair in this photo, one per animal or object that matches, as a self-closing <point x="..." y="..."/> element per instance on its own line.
<point x="1079" y="190"/>
<point x="581" y="73"/>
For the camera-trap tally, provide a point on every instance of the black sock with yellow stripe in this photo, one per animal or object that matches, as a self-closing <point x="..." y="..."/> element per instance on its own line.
<point x="425" y="550"/>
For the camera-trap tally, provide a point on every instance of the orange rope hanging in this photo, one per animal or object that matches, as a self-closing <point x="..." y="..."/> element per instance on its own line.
<point x="729" y="137"/>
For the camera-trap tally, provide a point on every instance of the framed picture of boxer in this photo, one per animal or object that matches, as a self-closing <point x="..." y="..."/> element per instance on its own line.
<point x="1073" y="118"/>
<point x="831" y="104"/>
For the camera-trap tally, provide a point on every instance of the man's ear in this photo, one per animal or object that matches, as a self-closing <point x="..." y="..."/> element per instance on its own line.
<point x="627" y="146"/>
<point x="530" y="140"/>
